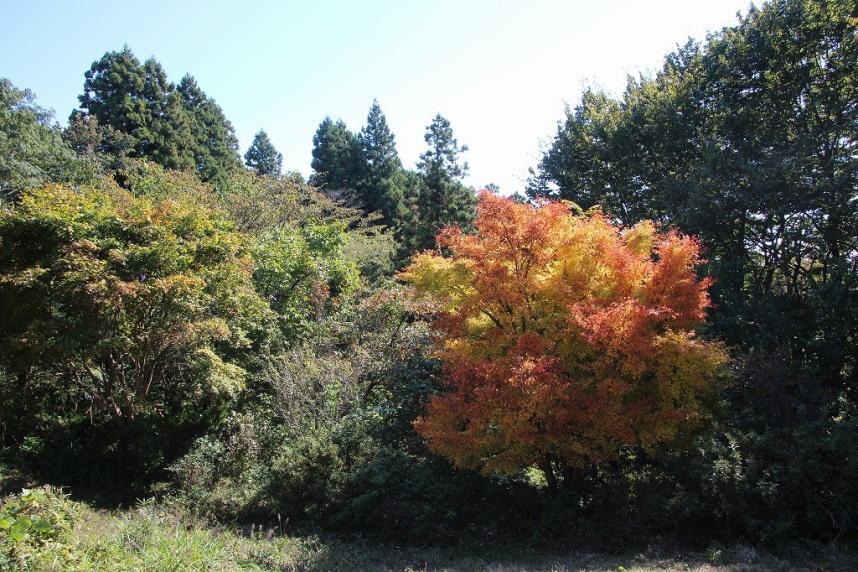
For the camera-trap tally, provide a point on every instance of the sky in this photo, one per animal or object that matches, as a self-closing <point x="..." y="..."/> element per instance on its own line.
<point x="500" y="71"/>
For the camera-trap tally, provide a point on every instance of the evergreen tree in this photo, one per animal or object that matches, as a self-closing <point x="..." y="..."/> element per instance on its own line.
<point x="137" y="99"/>
<point x="262" y="157"/>
<point x="216" y="150"/>
<point x="336" y="156"/>
<point x="171" y="141"/>
<point x="443" y="200"/>
<point x="113" y="92"/>
<point x="381" y="166"/>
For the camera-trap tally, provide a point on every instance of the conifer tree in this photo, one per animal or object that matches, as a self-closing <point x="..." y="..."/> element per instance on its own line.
<point x="170" y="141"/>
<point x="380" y="162"/>
<point x="113" y="92"/>
<point x="137" y="100"/>
<point x="336" y="156"/>
<point x="216" y="150"/>
<point x="443" y="199"/>
<point x="262" y="157"/>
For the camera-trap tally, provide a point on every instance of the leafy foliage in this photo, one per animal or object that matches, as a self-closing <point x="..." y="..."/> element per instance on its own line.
<point x="302" y="271"/>
<point x="135" y="302"/>
<point x="328" y="437"/>
<point x="32" y="152"/>
<point x="36" y="529"/>
<point x="563" y="339"/>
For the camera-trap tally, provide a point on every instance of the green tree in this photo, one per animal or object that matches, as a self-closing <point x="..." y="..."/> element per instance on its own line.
<point x="32" y="151"/>
<point x="379" y="186"/>
<point x="302" y="272"/>
<point x="262" y="157"/>
<point x="443" y="200"/>
<point x="168" y="139"/>
<point x="216" y="151"/>
<point x="337" y="161"/>
<point x="113" y="92"/>
<point x="571" y="169"/>
<point x="179" y="128"/>
<point x="138" y="304"/>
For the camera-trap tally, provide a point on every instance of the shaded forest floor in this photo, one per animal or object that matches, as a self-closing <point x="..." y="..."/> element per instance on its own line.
<point x="144" y="538"/>
<point x="160" y="537"/>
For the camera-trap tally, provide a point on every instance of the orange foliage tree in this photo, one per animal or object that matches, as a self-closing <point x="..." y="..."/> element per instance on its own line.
<point x="564" y="339"/>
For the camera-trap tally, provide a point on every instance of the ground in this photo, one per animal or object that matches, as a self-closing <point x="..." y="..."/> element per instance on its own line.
<point x="150" y="538"/>
<point x="160" y="537"/>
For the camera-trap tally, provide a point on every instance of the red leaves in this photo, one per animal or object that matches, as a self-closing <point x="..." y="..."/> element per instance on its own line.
<point x="560" y="334"/>
<point x="673" y="286"/>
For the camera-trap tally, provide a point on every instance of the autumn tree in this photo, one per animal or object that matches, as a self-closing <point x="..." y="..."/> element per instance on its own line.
<point x="564" y="338"/>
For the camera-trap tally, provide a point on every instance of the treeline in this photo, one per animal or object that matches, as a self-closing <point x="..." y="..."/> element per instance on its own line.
<point x="130" y="109"/>
<point x="178" y="323"/>
<point x="417" y="204"/>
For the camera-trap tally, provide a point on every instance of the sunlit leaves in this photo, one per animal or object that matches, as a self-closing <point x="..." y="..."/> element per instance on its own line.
<point x="301" y="271"/>
<point x="563" y="337"/>
<point x="133" y="301"/>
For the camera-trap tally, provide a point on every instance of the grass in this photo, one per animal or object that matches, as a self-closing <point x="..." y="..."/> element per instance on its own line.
<point x="154" y="538"/>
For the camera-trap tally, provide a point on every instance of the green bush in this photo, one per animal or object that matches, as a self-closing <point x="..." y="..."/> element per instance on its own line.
<point x="36" y="530"/>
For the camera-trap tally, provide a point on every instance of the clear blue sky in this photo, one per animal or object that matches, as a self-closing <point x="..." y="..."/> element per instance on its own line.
<point x="499" y="70"/>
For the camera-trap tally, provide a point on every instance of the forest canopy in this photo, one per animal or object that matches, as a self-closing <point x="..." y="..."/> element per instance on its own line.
<point x="657" y="336"/>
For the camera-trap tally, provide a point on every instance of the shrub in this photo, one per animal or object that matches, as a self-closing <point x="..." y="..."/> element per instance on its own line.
<point x="36" y="531"/>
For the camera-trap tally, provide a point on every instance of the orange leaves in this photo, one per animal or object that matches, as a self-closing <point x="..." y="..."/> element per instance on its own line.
<point x="562" y="335"/>
<point x="673" y="286"/>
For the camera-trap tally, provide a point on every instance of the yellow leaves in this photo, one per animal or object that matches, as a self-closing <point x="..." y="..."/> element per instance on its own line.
<point x="224" y="379"/>
<point x="444" y="279"/>
<point x="211" y="329"/>
<point x="681" y="363"/>
<point x="62" y="204"/>
<point x="562" y="333"/>
<point x="685" y="372"/>
<point x="179" y="284"/>
<point x="640" y="238"/>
